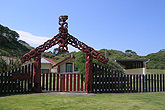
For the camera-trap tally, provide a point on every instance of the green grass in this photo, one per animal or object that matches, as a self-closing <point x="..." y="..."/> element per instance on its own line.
<point x="136" y="101"/>
<point x="155" y="71"/>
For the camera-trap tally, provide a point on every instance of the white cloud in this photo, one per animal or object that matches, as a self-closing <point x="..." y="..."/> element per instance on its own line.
<point x="32" y="39"/>
<point x="38" y="40"/>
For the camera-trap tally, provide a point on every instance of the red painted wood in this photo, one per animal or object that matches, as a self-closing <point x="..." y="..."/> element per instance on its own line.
<point x="29" y="79"/>
<point x="78" y="82"/>
<point x="54" y="81"/>
<point x="43" y="81"/>
<point x="50" y="83"/>
<point x="81" y="82"/>
<point x="63" y="83"/>
<point x="67" y="81"/>
<point x="57" y="82"/>
<point x="74" y="82"/>
<point x="46" y="81"/>
<point x="70" y="82"/>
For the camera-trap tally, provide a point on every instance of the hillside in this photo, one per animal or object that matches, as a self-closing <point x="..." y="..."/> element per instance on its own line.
<point x="157" y="60"/>
<point x="9" y="44"/>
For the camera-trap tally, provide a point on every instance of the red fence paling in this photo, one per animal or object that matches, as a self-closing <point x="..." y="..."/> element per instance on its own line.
<point x="62" y="82"/>
<point x="106" y="80"/>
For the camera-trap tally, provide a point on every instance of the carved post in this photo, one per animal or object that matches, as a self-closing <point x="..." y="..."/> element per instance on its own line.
<point x="37" y="73"/>
<point x="88" y="74"/>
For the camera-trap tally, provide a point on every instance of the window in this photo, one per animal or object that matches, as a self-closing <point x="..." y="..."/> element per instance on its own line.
<point x="68" y="67"/>
<point x="75" y="68"/>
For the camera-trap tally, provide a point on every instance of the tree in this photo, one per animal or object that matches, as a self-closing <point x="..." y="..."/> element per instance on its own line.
<point x="80" y="63"/>
<point x="130" y="52"/>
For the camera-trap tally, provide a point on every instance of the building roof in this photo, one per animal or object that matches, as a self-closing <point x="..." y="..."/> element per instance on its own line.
<point x="46" y="60"/>
<point x="131" y="60"/>
<point x="61" y="62"/>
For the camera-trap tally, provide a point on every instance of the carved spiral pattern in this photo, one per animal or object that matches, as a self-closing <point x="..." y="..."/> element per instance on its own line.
<point x="63" y="39"/>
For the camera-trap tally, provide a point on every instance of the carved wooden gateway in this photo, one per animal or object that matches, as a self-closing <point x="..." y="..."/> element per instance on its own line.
<point x="63" y="38"/>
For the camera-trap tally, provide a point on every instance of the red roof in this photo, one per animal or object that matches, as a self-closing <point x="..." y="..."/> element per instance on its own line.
<point x="50" y="60"/>
<point x="59" y="63"/>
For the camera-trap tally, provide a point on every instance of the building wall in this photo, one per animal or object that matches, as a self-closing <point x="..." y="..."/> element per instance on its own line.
<point x="46" y="65"/>
<point x="63" y="67"/>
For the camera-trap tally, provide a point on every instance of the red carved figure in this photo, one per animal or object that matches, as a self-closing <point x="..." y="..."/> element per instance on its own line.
<point x="63" y="38"/>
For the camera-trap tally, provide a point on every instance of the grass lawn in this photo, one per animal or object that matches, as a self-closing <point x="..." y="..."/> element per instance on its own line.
<point x="109" y="101"/>
<point x="155" y="71"/>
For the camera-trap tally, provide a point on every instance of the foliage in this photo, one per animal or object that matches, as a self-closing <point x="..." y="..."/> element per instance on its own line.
<point x="5" y="31"/>
<point x="23" y="43"/>
<point x="12" y="48"/>
<point x="80" y="63"/>
<point x="57" y="52"/>
<point x="157" y="60"/>
<point x="8" y="64"/>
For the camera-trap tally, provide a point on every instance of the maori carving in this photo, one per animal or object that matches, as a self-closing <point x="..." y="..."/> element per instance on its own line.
<point x="63" y="38"/>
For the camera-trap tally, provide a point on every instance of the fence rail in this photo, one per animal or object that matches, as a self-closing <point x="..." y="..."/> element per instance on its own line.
<point x="10" y="85"/>
<point x="62" y="82"/>
<point x="108" y="81"/>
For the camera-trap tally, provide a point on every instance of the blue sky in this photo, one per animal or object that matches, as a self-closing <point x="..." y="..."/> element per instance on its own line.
<point x="138" y="25"/>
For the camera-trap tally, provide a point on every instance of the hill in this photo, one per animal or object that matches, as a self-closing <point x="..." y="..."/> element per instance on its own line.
<point x="11" y="46"/>
<point x="9" y="43"/>
<point x="157" y="60"/>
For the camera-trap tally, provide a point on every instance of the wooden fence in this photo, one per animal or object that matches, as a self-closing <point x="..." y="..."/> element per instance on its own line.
<point x="14" y="81"/>
<point x="62" y="82"/>
<point x="108" y="81"/>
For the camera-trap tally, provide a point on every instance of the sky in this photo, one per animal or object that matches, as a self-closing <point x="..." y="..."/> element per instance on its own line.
<point x="138" y="25"/>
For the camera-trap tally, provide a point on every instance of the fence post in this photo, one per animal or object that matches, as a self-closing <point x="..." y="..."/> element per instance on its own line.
<point x="88" y="74"/>
<point x="37" y="73"/>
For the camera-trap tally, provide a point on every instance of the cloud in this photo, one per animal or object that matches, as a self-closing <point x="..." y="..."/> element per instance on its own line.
<point x="32" y="39"/>
<point x="38" y="40"/>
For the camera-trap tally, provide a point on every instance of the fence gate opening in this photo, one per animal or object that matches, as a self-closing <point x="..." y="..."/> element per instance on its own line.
<point x="62" y="82"/>
<point x="63" y="38"/>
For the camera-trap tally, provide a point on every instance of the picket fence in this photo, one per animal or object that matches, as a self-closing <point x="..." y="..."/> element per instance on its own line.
<point x="108" y="81"/>
<point x="62" y="82"/>
<point x="8" y="85"/>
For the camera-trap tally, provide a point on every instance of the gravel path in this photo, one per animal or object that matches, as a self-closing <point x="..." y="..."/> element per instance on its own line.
<point x="72" y="93"/>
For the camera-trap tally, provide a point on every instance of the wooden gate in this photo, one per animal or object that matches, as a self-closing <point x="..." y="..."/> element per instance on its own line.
<point x="62" y="82"/>
<point x="19" y="80"/>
